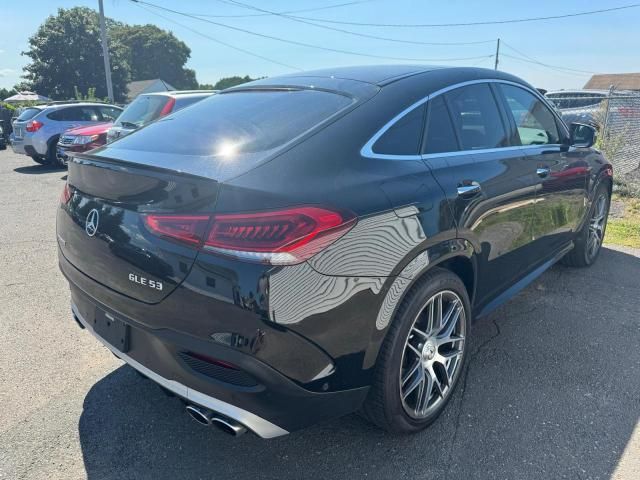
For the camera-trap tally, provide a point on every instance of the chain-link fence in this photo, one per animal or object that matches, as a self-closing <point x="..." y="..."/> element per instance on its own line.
<point x="616" y="115"/>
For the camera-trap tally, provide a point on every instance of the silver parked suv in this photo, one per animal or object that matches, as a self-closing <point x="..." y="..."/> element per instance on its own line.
<point x="37" y="130"/>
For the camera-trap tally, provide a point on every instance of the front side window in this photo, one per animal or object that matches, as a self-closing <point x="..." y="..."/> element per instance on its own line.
<point x="78" y="114"/>
<point x="144" y="109"/>
<point x="536" y="124"/>
<point x="440" y="136"/>
<point x="403" y="137"/>
<point x="109" y="114"/>
<point x="476" y="117"/>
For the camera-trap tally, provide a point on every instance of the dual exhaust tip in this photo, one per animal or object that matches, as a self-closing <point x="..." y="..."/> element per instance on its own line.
<point x="209" y="418"/>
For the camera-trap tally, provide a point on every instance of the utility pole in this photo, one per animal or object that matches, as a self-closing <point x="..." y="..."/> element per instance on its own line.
<point x="497" y="54"/>
<point x="105" y="52"/>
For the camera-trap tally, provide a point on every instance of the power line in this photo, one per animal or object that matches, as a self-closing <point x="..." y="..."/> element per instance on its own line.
<point x="535" y="60"/>
<point x="468" y="24"/>
<point x="348" y="32"/>
<point x="302" y="10"/>
<point x="303" y="44"/>
<point x="228" y="45"/>
<point x="552" y="67"/>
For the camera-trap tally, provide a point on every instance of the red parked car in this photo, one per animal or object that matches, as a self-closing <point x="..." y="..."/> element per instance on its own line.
<point x="81" y="139"/>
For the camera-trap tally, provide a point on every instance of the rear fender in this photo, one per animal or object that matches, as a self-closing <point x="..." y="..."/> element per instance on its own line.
<point x="399" y="286"/>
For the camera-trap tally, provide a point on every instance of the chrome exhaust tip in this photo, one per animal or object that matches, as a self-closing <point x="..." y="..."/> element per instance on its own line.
<point x="203" y="417"/>
<point x="228" y="426"/>
<point x="207" y="418"/>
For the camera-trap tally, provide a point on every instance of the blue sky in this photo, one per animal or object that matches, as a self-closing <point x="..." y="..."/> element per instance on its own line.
<point x="608" y="43"/>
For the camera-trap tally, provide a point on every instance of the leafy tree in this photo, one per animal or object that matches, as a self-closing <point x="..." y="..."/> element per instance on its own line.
<point x="205" y="86"/>
<point x="228" y="82"/>
<point x="66" y="53"/>
<point x="156" y="53"/>
<point x="4" y="93"/>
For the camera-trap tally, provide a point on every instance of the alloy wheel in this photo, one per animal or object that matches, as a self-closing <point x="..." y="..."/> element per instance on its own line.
<point x="433" y="353"/>
<point x="597" y="224"/>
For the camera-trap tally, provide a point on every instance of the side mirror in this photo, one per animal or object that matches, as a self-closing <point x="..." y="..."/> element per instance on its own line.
<point x="582" y="135"/>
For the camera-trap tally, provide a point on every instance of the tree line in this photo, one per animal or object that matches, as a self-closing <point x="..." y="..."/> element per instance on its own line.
<point x="66" y="58"/>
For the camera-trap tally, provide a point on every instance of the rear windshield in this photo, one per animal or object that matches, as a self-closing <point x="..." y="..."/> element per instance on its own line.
<point x="143" y="110"/>
<point x="240" y="122"/>
<point x="28" y="114"/>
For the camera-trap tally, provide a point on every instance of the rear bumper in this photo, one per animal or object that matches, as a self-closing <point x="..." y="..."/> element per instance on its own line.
<point x="274" y="406"/>
<point x="258" y="425"/>
<point x="24" y="147"/>
<point x="18" y="146"/>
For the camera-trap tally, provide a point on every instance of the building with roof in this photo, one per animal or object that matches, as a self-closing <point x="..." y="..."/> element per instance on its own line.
<point x="620" y="81"/>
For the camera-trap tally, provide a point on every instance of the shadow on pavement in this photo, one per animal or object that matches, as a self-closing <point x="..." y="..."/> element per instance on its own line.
<point x="550" y="391"/>
<point x="37" y="169"/>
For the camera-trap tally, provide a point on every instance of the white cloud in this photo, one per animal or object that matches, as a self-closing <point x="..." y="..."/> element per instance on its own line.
<point x="4" y="72"/>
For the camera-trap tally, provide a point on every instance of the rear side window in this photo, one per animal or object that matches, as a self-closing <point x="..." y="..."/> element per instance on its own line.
<point x="535" y="123"/>
<point x="75" y="114"/>
<point x="403" y="138"/>
<point x="28" y="114"/>
<point x="143" y="110"/>
<point x="59" y="115"/>
<point x="440" y="136"/>
<point x="238" y="122"/>
<point x="476" y="117"/>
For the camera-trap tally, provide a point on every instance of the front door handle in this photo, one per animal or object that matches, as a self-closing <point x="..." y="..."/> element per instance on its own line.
<point x="468" y="189"/>
<point x="543" y="172"/>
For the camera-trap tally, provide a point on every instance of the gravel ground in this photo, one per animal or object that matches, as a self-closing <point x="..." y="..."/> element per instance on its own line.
<point x="552" y="389"/>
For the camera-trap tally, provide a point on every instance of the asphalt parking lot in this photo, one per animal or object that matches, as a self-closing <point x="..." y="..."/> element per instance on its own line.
<point x="552" y="389"/>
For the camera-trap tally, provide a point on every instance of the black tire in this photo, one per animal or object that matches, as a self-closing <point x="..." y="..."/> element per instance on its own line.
<point x="384" y="405"/>
<point x="40" y="160"/>
<point x="581" y="255"/>
<point x="52" y="154"/>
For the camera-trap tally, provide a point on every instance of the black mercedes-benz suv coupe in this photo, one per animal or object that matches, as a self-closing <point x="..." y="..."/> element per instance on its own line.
<point x="305" y="246"/>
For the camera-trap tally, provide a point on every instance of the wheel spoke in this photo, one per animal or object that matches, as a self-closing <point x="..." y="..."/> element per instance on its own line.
<point x="436" y="382"/>
<point x="420" y="332"/>
<point x="424" y="394"/>
<point x="413" y="370"/>
<point x="414" y="350"/>
<point x="419" y="380"/>
<point x="437" y="323"/>
<point x="451" y="320"/>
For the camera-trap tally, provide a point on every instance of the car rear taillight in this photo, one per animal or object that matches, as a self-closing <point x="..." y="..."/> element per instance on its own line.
<point x="65" y="196"/>
<point x="183" y="228"/>
<point x="281" y="237"/>
<point x="166" y="110"/>
<point x="33" y="126"/>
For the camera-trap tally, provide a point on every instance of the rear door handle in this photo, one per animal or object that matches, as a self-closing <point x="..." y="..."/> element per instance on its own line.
<point x="469" y="189"/>
<point x="543" y="171"/>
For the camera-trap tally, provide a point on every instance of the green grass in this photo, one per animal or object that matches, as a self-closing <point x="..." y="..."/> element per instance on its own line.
<point x="626" y="230"/>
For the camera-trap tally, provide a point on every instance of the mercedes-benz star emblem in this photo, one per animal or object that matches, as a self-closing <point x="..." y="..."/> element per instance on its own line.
<point x="91" y="225"/>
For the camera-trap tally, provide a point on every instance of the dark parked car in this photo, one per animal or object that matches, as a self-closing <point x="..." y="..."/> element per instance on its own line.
<point x="301" y="247"/>
<point x="150" y="106"/>
<point x="3" y="140"/>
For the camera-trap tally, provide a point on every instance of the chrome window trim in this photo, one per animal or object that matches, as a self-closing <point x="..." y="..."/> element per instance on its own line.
<point x="367" y="149"/>
<point x="427" y="156"/>
<point x="253" y="422"/>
